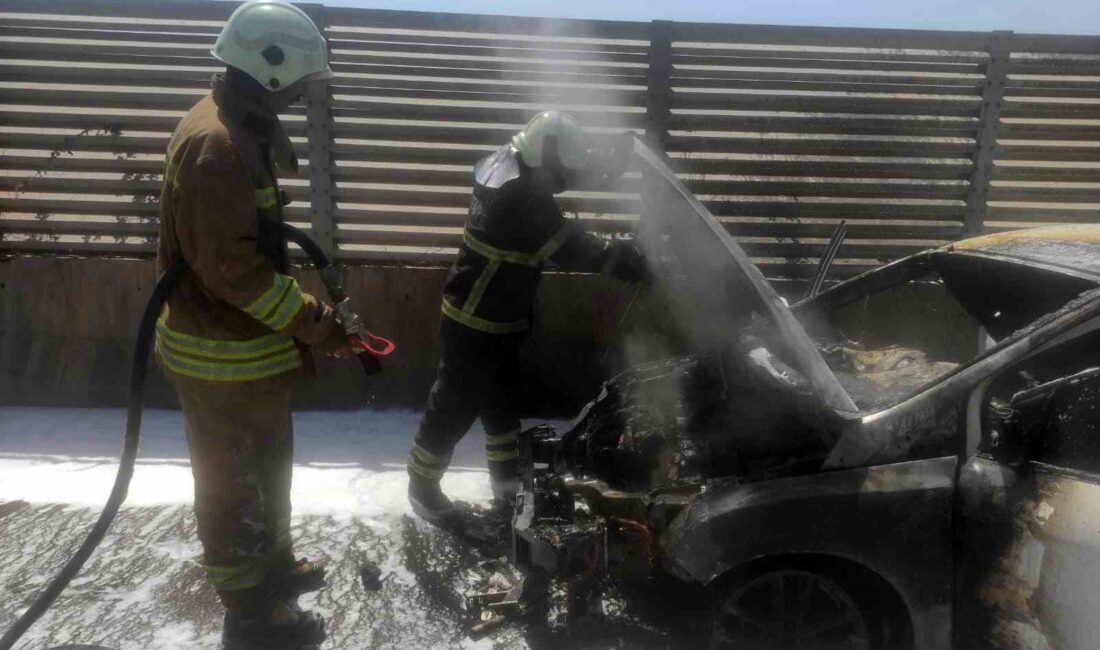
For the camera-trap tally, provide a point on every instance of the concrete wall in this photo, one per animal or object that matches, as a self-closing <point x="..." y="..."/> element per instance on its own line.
<point x="67" y="327"/>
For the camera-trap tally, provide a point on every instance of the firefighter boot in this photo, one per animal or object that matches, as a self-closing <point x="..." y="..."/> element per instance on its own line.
<point x="429" y="502"/>
<point x="258" y="619"/>
<point x="297" y="577"/>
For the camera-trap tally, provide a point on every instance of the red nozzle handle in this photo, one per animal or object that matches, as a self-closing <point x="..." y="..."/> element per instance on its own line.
<point x="385" y="347"/>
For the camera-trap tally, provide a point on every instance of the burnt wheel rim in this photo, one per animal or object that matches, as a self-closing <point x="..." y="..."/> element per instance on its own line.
<point x="789" y="610"/>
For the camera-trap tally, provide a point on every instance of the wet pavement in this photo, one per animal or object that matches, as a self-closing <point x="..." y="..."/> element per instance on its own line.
<point x="143" y="589"/>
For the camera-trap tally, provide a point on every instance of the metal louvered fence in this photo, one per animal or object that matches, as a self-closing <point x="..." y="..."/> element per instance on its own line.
<point x="915" y="138"/>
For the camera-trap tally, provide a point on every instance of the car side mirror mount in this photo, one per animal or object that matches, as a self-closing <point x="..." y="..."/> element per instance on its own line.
<point x="1016" y="427"/>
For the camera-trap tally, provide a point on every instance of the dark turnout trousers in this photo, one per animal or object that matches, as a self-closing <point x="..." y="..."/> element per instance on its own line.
<point x="241" y="441"/>
<point x="478" y="377"/>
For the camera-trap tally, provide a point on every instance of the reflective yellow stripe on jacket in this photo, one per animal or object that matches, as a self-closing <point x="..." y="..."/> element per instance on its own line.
<point x="277" y="306"/>
<point x="494" y="258"/>
<point x="216" y="360"/>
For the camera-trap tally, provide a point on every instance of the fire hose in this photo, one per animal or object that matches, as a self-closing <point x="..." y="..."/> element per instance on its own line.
<point x="369" y="348"/>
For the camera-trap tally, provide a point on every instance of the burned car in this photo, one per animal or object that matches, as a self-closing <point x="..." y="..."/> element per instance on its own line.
<point x="827" y="493"/>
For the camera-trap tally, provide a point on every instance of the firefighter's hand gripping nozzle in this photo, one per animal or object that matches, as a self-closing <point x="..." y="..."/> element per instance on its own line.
<point x="369" y="348"/>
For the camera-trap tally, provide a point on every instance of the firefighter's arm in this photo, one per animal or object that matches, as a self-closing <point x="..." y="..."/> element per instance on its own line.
<point x="217" y="234"/>
<point x="582" y="251"/>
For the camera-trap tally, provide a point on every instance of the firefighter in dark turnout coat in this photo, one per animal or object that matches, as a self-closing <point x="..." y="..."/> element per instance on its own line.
<point x="513" y="230"/>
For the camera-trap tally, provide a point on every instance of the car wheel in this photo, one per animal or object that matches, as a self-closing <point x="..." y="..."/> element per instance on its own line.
<point x="789" y="609"/>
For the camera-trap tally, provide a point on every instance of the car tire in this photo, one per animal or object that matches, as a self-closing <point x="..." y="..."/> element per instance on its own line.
<point x="794" y="608"/>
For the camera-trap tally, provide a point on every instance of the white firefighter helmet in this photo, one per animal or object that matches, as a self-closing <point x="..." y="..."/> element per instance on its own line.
<point x="275" y="43"/>
<point x="573" y="146"/>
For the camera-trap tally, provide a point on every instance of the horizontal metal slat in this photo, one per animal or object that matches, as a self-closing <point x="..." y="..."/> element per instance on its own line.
<point x="1055" y="66"/>
<point x="431" y="90"/>
<point x="47" y="184"/>
<point x="120" y="144"/>
<point x="104" y="32"/>
<point x="525" y="41"/>
<point x="35" y="20"/>
<point x="423" y="239"/>
<point x="482" y="24"/>
<point x="105" y="247"/>
<point x="166" y="10"/>
<point x="104" y="76"/>
<point x="836" y="210"/>
<point x="1048" y="131"/>
<point x="856" y="230"/>
<point x="880" y="190"/>
<point x="1040" y="214"/>
<point x="881" y="251"/>
<point x="888" y="39"/>
<point x="486" y="114"/>
<point x="173" y="101"/>
<point x="824" y="104"/>
<point x="1050" y="110"/>
<point x="838" y="167"/>
<point x="374" y="152"/>
<point x="686" y="83"/>
<point x="1041" y="173"/>
<point x="821" y="54"/>
<point x="90" y="228"/>
<point x="404" y="176"/>
<point x="720" y="78"/>
<point x="112" y="165"/>
<point x="1057" y="152"/>
<point x="419" y="218"/>
<point x="344" y="42"/>
<point x="1068" y="44"/>
<point x="1053" y="91"/>
<point x="582" y="69"/>
<point x="817" y="147"/>
<point x="98" y="53"/>
<point x="140" y="189"/>
<point x="69" y="164"/>
<point x="1048" y="194"/>
<point x="437" y="69"/>
<point x="460" y="198"/>
<point x="423" y="133"/>
<point x="824" y="125"/>
<point x="120" y="208"/>
<point x="112" y="121"/>
<point x="762" y="59"/>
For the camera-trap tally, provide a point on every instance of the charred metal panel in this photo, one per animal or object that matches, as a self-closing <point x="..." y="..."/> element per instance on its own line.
<point x="1029" y="558"/>
<point x="894" y="519"/>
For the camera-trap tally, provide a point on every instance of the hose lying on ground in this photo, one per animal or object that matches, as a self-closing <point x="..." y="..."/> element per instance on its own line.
<point x="125" y="467"/>
<point x="368" y="359"/>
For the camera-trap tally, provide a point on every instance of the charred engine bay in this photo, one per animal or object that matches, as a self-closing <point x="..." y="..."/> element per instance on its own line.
<point x="659" y="432"/>
<point x="690" y="419"/>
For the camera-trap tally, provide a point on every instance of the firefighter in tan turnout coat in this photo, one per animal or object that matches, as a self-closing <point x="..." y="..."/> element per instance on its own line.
<point x="238" y="329"/>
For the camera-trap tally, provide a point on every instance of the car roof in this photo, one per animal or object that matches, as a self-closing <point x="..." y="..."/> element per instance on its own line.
<point x="1074" y="249"/>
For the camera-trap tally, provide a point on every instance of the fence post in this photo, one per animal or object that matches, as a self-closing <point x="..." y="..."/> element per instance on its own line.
<point x="996" y="72"/>
<point x="659" y="84"/>
<point x="322" y="180"/>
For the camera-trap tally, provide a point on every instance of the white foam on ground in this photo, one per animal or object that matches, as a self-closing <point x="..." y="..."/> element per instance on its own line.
<point x="346" y="463"/>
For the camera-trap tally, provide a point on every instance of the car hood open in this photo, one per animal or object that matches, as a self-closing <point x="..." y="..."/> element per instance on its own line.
<point x="714" y="282"/>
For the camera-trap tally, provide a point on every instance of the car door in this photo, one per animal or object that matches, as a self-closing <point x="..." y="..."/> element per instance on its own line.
<point x="1028" y="512"/>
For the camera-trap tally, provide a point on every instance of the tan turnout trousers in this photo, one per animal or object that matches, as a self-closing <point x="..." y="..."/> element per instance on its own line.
<point x="241" y="441"/>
